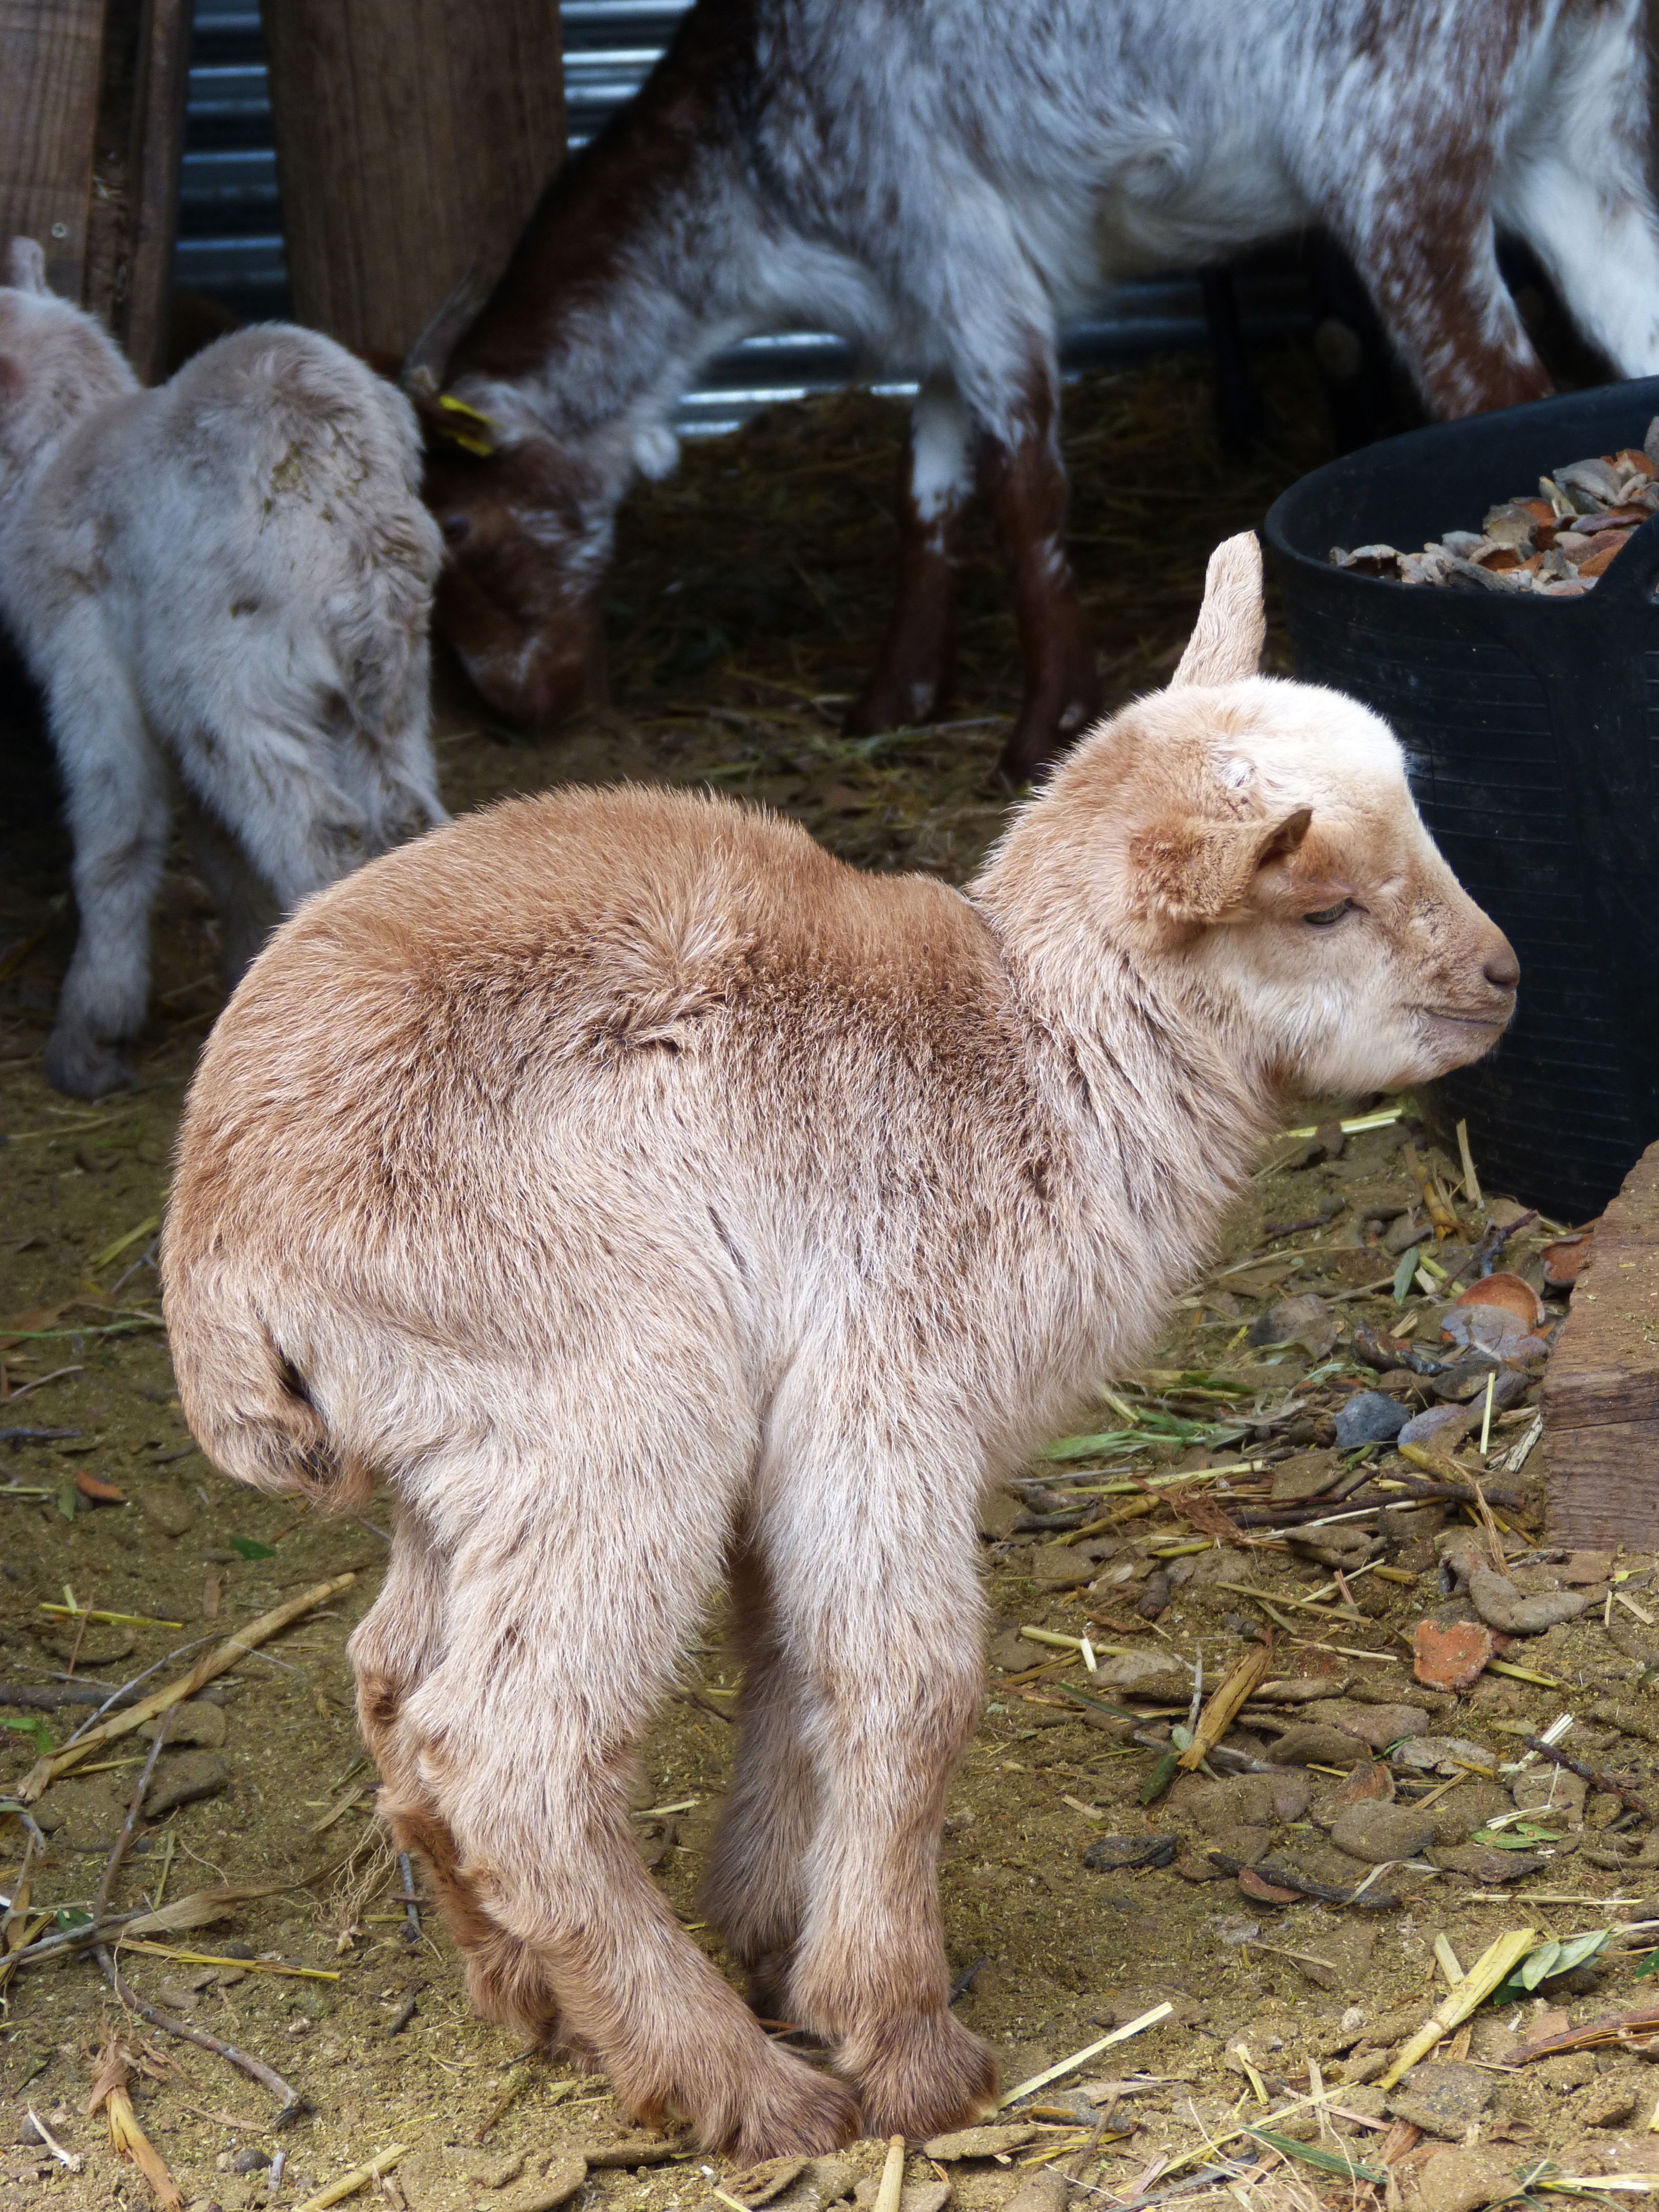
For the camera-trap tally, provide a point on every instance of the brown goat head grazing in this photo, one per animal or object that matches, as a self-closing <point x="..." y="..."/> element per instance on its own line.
<point x="653" y="1200"/>
<point x="526" y="528"/>
<point x="527" y="542"/>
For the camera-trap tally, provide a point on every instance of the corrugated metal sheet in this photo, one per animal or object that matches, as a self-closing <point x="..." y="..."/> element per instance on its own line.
<point x="230" y="241"/>
<point x="230" y="226"/>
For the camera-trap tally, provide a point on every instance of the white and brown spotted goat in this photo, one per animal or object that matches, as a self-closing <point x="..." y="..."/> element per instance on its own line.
<point x="652" y="1199"/>
<point x="941" y="183"/>
<point x="223" y="587"/>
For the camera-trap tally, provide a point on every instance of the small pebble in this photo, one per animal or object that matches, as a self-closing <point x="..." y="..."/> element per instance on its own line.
<point x="1371" y="1417"/>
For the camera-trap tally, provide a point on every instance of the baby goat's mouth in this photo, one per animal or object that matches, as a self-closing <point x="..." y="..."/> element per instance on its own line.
<point x="1494" y="1020"/>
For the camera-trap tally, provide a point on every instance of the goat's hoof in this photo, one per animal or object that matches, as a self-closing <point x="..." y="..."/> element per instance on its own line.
<point x="921" y="2075"/>
<point x="1043" y="734"/>
<point x="77" y="1064"/>
<point x="1029" y="752"/>
<point x="894" y="704"/>
<point x="794" y="2111"/>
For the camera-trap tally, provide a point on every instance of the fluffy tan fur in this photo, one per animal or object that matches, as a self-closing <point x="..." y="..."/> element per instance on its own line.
<point x="654" y="1200"/>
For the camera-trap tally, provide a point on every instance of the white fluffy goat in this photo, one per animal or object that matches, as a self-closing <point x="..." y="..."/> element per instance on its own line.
<point x="223" y="587"/>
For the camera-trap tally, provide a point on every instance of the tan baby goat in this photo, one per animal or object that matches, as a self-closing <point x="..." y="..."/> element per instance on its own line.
<point x="655" y="1200"/>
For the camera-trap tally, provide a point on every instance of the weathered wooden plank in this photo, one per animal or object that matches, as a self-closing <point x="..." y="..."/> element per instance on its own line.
<point x="413" y="137"/>
<point x="1604" y="1486"/>
<point x="51" y="55"/>
<point x="1588" y="1400"/>
<point x="1601" y="1390"/>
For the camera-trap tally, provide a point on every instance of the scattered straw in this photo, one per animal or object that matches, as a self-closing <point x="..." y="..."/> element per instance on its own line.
<point x="1089" y="2050"/>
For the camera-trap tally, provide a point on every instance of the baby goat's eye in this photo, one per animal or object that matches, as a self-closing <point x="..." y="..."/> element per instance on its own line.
<point x="1325" y="915"/>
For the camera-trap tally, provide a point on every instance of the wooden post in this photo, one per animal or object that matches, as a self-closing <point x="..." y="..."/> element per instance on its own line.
<point x="92" y="106"/>
<point x="413" y="138"/>
<point x="51" y="68"/>
<point x="157" y="148"/>
<point x="1601" y="1387"/>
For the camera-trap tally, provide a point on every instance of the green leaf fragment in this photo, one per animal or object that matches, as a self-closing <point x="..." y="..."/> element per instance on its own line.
<point x="246" y="1548"/>
<point x="1328" y="2161"/>
<point x="1160" y="1777"/>
<point x="1578" y="1948"/>
<point x="1539" y="1964"/>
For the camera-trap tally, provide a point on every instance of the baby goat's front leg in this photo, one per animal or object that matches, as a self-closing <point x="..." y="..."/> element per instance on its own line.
<point x="119" y="806"/>
<point x="877" y="1581"/>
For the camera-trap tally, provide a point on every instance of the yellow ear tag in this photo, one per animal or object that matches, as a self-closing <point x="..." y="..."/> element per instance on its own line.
<point x="468" y="445"/>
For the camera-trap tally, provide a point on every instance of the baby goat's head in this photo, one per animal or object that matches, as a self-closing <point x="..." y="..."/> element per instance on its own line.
<point x="1256" y="847"/>
<point x="55" y="361"/>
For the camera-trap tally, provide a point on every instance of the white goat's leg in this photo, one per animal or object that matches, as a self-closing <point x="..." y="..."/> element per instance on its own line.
<point x="1597" y="234"/>
<point x="997" y="331"/>
<point x="1573" y="181"/>
<point x="1025" y="481"/>
<point x="755" y="1889"/>
<point x="392" y="1649"/>
<point x="566" y="1614"/>
<point x="247" y="912"/>
<point x="1430" y="261"/>
<point x="270" y="785"/>
<point x="120" y="798"/>
<point x="913" y="673"/>
<point x="897" y="1677"/>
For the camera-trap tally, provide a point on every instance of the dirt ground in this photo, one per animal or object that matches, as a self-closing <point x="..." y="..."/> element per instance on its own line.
<point x="746" y="604"/>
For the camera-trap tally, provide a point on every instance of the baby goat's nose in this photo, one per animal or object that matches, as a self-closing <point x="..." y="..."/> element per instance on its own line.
<point x="1500" y="968"/>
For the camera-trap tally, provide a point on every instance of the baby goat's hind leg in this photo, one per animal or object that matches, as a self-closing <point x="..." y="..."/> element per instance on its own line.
<point x="393" y="1648"/>
<point x="567" y="1611"/>
<point x="271" y="785"/>
<point x="878" y="1584"/>
<point x="755" y="1891"/>
<point x="247" y="913"/>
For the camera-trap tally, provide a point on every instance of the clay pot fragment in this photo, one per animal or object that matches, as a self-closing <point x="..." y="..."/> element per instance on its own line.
<point x="1509" y="1293"/>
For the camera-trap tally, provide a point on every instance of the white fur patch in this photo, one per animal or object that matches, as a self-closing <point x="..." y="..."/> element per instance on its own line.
<point x="656" y="451"/>
<point x="940" y="472"/>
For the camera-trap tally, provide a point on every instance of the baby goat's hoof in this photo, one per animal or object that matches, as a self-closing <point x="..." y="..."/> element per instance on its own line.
<point x="919" y="2076"/>
<point x="794" y="2111"/>
<point x="77" y="1063"/>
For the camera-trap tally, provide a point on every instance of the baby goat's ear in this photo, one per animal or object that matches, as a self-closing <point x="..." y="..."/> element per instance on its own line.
<point x="1192" y="870"/>
<point x="1225" y="645"/>
<point x="26" y="267"/>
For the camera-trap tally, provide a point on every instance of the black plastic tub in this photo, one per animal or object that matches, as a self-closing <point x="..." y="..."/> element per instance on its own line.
<point x="1532" y="730"/>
